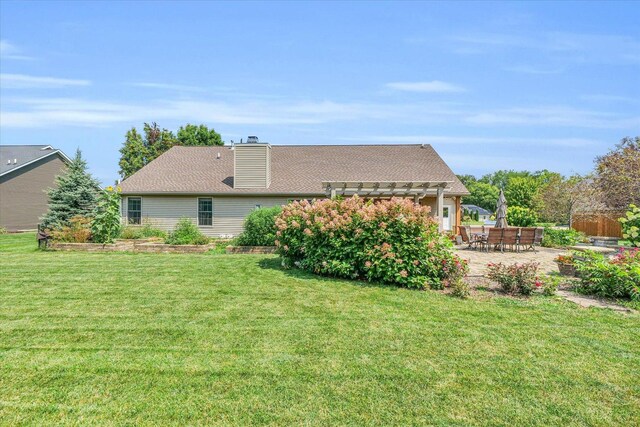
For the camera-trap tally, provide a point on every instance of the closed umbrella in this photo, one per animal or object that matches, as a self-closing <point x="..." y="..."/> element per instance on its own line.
<point x="501" y="211"/>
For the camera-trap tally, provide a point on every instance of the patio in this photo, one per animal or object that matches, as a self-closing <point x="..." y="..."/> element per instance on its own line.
<point x="478" y="260"/>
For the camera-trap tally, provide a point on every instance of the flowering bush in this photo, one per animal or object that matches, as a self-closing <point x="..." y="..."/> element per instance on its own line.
<point x="631" y="225"/>
<point x="456" y="270"/>
<point x="617" y="277"/>
<point x="392" y="241"/>
<point x="564" y="259"/>
<point x="515" y="278"/>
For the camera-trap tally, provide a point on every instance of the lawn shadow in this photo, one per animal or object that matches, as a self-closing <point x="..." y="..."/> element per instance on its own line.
<point x="276" y="264"/>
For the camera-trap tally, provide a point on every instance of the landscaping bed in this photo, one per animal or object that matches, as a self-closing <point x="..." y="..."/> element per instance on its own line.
<point x="251" y="249"/>
<point x="138" y="245"/>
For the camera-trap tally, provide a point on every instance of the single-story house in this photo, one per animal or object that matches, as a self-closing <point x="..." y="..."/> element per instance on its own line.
<point x="483" y="214"/>
<point x="217" y="187"/>
<point x="26" y="172"/>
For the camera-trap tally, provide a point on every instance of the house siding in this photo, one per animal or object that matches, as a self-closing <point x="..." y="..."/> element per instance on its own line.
<point x="229" y="213"/>
<point x="23" y="198"/>
<point x="252" y="164"/>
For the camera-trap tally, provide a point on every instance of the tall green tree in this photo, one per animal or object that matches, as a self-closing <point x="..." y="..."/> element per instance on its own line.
<point x="75" y="194"/>
<point x="618" y="174"/>
<point x="198" y="135"/>
<point x="501" y="178"/>
<point x="140" y="149"/>
<point x="482" y="194"/>
<point x="522" y="191"/>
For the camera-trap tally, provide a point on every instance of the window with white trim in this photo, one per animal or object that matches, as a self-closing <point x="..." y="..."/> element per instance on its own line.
<point x="134" y="210"/>
<point x="205" y="211"/>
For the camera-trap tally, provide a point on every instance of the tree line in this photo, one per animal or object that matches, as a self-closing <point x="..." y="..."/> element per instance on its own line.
<point x="549" y="196"/>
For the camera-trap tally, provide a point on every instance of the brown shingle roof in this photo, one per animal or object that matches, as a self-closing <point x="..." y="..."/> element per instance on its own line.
<point x="295" y="169"/>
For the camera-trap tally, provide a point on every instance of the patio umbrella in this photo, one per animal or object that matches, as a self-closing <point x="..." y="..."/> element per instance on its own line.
<point x="501" y="211"/>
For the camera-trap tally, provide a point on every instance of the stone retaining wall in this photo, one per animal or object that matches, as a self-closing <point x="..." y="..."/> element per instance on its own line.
<point x="141" y="245"/>
<point x="251" y="249"/>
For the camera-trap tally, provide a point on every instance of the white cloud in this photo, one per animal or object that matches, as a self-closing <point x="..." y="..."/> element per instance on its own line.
<point x="553" y="116"/>
<point x="166" y="86"/>
<point x="472" y="140"/>
<point x="562" y="46"/>
<point x="9" y="51"/>
<point x="23" y="81"/>
<point x="432" y="86"/>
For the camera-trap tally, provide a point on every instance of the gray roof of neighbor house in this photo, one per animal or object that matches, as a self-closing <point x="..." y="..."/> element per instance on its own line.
<point x="295" y="169"/>
<point x="481" y="211"/>
<point x="13" y="157"/>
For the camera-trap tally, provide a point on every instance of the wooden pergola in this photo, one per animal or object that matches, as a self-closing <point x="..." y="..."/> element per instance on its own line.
<point x="387" y="189"/>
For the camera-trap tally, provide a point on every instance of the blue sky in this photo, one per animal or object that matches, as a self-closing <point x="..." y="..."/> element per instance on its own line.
<point x="489" y="85"/>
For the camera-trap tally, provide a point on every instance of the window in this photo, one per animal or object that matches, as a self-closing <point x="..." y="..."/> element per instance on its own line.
<point x="134" y="210"/>
<point x="205" y="211"/>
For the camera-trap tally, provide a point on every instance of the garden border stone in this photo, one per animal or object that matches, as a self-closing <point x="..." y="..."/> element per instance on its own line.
<point x="251" y="250"/>
<point x="139" y="245"/>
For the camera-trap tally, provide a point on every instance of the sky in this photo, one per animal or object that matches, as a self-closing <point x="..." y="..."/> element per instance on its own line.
<point x="490" y="85"/>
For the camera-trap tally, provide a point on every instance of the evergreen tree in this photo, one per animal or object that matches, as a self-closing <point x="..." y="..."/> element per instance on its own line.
<point x="75" y="193"/>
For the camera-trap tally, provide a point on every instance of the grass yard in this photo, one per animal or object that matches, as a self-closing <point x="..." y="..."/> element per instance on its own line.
<point x="115" y="338"/>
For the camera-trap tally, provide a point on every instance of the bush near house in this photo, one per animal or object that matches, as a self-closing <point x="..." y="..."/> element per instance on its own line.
<point x="260" y="228"/>
<point x="617" y="278"/>
<point x="393" y="241"/>
<point x="144" y="232"/>
<point x="186" y="233"/>
<point x="562" y="237"/>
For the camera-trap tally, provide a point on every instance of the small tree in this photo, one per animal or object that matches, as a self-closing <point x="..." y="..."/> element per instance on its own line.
<point x="521" y="217"/>
<point x="75" y="194"/>
<point x="106" y="222"/>
<point x="617" y="174"/>
<point x="522" y="192"/>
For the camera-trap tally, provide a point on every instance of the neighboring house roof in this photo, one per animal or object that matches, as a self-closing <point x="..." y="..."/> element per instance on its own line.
<point x="474" y="208"/>
<point x="295" y="169"/>
<point x="14" y="157"/>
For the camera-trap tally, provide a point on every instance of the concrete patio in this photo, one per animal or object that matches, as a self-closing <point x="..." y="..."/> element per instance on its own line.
<point x="478" y="259"/>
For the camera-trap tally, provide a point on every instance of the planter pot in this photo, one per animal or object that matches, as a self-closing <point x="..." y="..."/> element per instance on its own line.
<point x="567" y="269"/>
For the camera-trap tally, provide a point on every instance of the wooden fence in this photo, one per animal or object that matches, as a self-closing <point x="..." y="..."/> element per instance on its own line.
<point x="604" y="224"/>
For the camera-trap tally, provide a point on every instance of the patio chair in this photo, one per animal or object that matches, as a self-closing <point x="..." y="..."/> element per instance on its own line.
<point x="510" y="237"/>
<point x="494" y="238"/>
<point x="466" y="237"/>
<point x="528" y="238"/>
<point x="538" y="236"/>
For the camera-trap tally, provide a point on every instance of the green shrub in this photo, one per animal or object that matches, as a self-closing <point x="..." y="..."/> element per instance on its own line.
<point x="392" y="241"/>
<point x="521" y="217"/>
<point x="3" y="230"/>
<point x="515" y="279"/>
<point x="456" y="270"/>
<point x="617" y="278"/>
<point x="131" y="233"/>
<point x="631" y="225"/>
<point x="148" y="230"/>
<point x="144" y="232"/>
<point x="260" y="227"/>
<point x="186" y="233"/>
<point x="106" y="225"/>
<point x="562" y="237"/>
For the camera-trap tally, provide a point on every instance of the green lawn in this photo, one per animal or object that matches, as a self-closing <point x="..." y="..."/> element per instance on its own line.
<point x="117" y="338"/>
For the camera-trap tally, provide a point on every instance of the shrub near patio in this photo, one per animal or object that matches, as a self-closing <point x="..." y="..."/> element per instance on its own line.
<point x="618" y="277"/>
<point x="393" y="241"/>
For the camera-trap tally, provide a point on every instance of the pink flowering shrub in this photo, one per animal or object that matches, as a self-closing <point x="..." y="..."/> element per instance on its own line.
<point x="392" y="241"/>
<point x="516" y="278"/>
